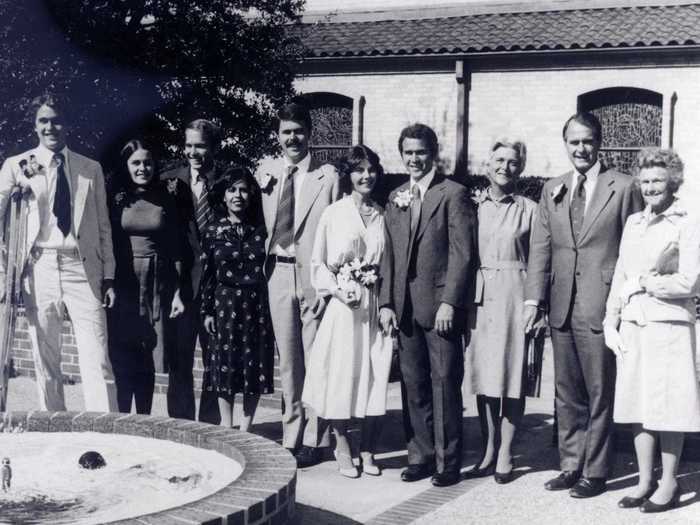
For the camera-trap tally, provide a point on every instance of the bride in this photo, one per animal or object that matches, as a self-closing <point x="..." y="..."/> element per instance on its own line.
<point x="348" y="369"/>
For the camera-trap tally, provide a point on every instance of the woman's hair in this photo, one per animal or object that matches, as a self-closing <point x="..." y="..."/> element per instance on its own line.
<point x="662" y="158"/>
<point x="231" y="176"/>
<point x="516" y="145"/>
<point x="350" y="162"/>
<point x="123" y="177"/>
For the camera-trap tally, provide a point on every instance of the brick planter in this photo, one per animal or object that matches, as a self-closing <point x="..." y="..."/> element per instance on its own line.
<point x="264" y="493"/>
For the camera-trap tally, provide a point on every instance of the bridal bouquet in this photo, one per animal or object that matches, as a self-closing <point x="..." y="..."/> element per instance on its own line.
<point x="357" y="271"/>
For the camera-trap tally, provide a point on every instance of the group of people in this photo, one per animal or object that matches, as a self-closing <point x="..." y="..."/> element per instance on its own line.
<point x="299" y="258"/>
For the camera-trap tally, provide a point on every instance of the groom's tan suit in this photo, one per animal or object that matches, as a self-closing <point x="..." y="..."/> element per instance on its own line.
<point x="295" y="307"/>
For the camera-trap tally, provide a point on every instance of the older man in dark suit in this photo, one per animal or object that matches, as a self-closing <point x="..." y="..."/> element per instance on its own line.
<point x="191" y="184"/>
<point x="573" y="252"/>
<point x="431" y="229"/>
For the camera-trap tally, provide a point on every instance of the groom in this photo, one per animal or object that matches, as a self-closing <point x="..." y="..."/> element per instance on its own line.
<point x="431" y="228"/>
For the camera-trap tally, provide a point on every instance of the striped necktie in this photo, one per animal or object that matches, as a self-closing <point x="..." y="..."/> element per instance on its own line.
<point x="203" y="211"/>
<point x="416" y="204"/>
<point x="578" y="207"/>
<point x="284" y="223"/>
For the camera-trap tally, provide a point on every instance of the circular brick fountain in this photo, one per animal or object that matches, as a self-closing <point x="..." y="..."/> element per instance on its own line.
<point x="264" y="493"/>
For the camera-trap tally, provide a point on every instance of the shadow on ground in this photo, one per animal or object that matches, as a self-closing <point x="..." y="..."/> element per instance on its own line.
<point x="310" y="515"/>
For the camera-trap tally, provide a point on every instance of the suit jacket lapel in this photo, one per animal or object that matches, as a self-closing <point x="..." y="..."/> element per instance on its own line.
<point x="403" y="224"/>
<point x="432" y="200"/>
<point x="309" y="191"/>
<point x="80" y="183"/>
<point x="562" y="208"/>
<point x="604" y="190"/>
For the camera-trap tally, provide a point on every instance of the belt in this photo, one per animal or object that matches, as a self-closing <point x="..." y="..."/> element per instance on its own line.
<point x="283" y="259"/>
<point x="70" y="252"/>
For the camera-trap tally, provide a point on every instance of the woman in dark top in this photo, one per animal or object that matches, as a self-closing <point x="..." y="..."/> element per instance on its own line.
<point x="234" y="298"/>
<point x="147" y="251"/>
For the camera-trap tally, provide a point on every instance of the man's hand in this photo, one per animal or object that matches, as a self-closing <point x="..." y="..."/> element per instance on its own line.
<point x="177" y="307"/>
<point x="444" y="319"/>
<point x="210" y="324"/>
<point x="532" y="317"/>
<point x="387" y="321"/>
<point x="108" y="296"/>
<point x="613" y="340"/>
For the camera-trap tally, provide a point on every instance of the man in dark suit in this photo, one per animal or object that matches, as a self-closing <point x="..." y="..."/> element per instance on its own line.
<point x="191" y="184"/>
<point x="573" y="252"/>
<point x="431" y="229"/>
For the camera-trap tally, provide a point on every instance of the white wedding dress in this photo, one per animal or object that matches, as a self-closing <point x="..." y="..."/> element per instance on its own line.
<point x="348" y="370"/>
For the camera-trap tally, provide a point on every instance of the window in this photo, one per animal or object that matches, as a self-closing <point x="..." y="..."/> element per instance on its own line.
<point x="331" y="115"/>
<point x="631" y="119"/>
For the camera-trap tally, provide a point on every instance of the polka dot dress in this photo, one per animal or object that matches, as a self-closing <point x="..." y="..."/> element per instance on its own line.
<point x="235" y="293"/>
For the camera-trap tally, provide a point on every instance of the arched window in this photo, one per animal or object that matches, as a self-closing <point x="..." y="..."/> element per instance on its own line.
<point x="631" y="119"/>
<point x="331" y="114"/>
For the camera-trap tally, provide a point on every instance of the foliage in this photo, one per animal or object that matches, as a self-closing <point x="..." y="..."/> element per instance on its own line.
<point x="147" y="67"/>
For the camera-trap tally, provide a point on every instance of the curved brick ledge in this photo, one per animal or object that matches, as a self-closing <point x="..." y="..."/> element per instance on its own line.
<point x="263" y="494"/>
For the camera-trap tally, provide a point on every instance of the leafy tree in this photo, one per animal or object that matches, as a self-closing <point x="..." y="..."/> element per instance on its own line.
<point x="146" y="67"/>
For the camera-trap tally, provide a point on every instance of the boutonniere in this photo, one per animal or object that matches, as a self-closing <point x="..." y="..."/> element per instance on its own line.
<point x="267" y="182"/>
<point x="402" y="199"/>
<point x="172" y="186"/>
<point x="558" y="192"/>
<point x="120" y="198"/>
<point x="31" y="167"/>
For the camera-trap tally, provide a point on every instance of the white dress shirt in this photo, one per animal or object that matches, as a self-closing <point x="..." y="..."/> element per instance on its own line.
<point x="49" y="234"/>
<point x="423" y="184"/>
<point x="589" y="184"/>
<point x="196" y="185"/>
<point x="299" y="176"/>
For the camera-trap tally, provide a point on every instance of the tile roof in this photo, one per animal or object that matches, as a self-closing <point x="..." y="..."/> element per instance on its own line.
<point x="616" y="27"/>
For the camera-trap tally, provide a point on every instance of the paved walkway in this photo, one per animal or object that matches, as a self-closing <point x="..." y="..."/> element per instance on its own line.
<point x="325" y="497"/>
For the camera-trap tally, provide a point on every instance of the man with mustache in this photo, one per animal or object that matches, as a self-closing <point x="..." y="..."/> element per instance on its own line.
<point x="295" y="191"/>
<point x="573" y="251"/>
<point x="190" y="185"/>
<point x="431" y="231"/>
<point x="69" y="260"/>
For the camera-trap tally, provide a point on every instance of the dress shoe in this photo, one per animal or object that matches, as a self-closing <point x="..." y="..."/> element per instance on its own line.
<point x="369" y="466"/>
<point x="417" y="472"/>
<point x="480" y="472"/>
<point x="649" y="506"/>
<point x="563" y="481"/>
<point x="308" y="457"/>
<point x="588" y="488"/>
<point x="630" y="502"/>
<point x="503" y="477"/>
<point x="345" y="465"/>
<point x="445" y="479"/>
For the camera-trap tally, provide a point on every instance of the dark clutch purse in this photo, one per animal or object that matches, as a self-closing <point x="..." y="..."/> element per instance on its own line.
<point x="668" y="260"/>
<point x="395" y="370"/>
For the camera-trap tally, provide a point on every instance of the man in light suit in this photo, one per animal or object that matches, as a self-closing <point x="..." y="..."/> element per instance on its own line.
<point x="69" y="257"/>
<point x="431" y="229"/>
<point x="295" y="191"/>
<point x="574" y="247"/>
<point x="190" y="185"/>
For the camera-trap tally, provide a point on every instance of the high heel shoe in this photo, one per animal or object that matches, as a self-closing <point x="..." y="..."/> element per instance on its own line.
<point x="630" y="502"/>
<point x="503" y="477"/>
<point x="348" y="472"/>
<point x="368" y="466"/>
<point x="649" y="506"/>
<point x="481" y="472"/>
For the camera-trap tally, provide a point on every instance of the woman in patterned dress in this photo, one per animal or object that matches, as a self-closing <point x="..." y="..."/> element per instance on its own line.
<point x="234" y="298"/>
<point x="499" y="368"/>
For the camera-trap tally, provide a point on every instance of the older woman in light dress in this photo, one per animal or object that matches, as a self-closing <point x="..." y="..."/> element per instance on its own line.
<point x="348" y="368"/>
<point x="499" y="368"/>
<point x="650" y="325"/>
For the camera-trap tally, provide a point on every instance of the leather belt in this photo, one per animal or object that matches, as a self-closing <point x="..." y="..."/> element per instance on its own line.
<point x="283" y="259"/>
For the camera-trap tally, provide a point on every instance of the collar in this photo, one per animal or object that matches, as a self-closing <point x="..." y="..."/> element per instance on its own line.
<point x="424" y="183"/>
<point x="195" y="177"/>
<point x="672" y="213"/>
<point x="508" y="198"/>
<point x="45" y="155"/>
<point x="591" y="174"/>
<point x="303" y="165"/>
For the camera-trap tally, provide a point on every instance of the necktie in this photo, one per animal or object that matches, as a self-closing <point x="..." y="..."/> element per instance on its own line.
<point x="578" y="207"/>
<point x="61" y="201"/>
<point x="415" y="208"/>
<point x="284" y="224"/>
<point x="203" y="212"/>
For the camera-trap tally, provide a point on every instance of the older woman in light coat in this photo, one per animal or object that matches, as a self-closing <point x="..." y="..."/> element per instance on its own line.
<point x="650" y="325"/>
